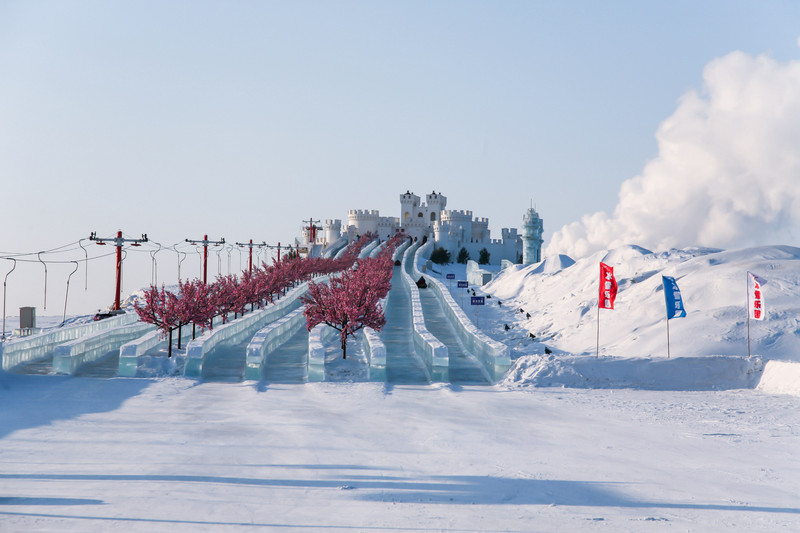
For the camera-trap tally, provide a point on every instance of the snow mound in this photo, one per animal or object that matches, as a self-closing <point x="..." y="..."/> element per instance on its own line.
<point x="624" y="253"/>
<point x="560" y="306"/>
<point x="780" y="377"/>
<point x="551" y="265"/>
<point x="679" y="373"/>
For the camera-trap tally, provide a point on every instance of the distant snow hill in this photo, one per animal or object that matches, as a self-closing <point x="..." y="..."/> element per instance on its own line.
<point x="561" y="296"/>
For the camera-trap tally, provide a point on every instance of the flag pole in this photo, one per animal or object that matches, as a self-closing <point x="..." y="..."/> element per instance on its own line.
<point x="747" y="309"/>
<point x="668" y="354"/>
<point x="597" y="353"/>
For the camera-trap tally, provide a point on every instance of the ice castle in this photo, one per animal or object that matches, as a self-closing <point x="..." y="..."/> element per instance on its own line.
<point x="449" y="229"/>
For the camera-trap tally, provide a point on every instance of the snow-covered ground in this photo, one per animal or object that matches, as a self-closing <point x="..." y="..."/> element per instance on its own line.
<point x="630" y="441"/>
<point x="172" y="454"/>
<point x="556" y="301"/>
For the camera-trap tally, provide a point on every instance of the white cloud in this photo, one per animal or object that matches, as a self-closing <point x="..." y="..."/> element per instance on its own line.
<point x="727" y="173"/>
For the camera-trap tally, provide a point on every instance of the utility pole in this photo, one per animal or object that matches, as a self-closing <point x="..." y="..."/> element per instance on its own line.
<point x="312" y="230"/>
<point x="117" y="241"/>
<point x="279" y="249"/>
<point x="250" y="245"/>
<point x="205" y="242"/>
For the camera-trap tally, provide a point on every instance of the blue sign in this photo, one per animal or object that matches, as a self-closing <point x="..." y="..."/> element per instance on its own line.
<point x="672" y="295"/>
<point x="451" y="276"/>
<point x="463" y="285"/>
<point x="477" y="300"/>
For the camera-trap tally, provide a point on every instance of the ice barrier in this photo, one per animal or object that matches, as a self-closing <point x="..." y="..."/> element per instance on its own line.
<point x="400" y="250"/>
<point x="374" y="347"/>
<point x="268" y="339"/>
<point x="130" y="352"/>
<point x="197" y="349"/>
<point x="332" y="249"/>
<point x="368" y="249"/>
<point x="710" y="372"/>
<point x="494" y="355"/>
<point x="375" y="350"/>
<point x="431" y="349"/>
<point x="72" y="354"/>
<point x="317" y="338"/>
<point x="27" y="349"/>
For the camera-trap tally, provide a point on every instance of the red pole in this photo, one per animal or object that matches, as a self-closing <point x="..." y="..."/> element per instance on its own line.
<point x="119" y="270"/>
<point x="251" y="256"/>
<point x="279" y="251"/>
<point x="205" y="259"/>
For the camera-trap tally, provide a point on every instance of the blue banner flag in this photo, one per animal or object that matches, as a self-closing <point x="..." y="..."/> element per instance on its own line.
<point x="672" y="295"/>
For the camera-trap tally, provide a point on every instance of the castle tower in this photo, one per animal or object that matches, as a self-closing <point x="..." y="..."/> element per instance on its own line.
<point x="409" y="204"/>
<point x="532" y="228"/>
<point x="435" y="202"/>
<point x="333" y="230"/>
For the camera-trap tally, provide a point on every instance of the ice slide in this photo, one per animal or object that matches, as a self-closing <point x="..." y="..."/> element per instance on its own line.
<point x="220" y="354"/>
<point x="452" y="327"/>
<point x="462" y="365"/>
<point x="86" y="343"/>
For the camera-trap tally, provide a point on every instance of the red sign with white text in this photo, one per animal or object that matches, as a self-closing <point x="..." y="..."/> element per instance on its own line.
<point x="608" y="287"/>
<point x="757" y="309"/>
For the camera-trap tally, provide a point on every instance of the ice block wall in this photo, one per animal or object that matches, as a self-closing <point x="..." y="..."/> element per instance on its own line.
<point x="130" y="352"/>
<point x="268" y="338"/>
<point x="431" y="349"/>
<point x="197" y="349"/>
<point x="368" y="249"/>
<point x="69" y="356"/>
<point x="26" y="349"/>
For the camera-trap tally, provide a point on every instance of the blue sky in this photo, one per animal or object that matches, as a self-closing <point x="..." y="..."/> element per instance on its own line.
<point x="240" y="119"/>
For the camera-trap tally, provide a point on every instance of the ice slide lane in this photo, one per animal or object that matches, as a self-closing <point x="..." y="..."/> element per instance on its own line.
<point x="463" y="367"/>
<point x="403" y="365"/>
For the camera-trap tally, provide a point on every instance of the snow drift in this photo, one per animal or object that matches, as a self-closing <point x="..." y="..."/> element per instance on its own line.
<point x="563" y="304"/>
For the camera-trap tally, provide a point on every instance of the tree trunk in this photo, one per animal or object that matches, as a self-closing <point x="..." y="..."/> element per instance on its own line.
<point x="169" y="349"/>
<point x="179" y="336"/>
<point x="344" y="347"/>
<point x="193" y="329"/>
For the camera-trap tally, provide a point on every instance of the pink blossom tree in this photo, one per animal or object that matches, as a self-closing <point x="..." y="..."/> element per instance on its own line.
<point x="346" y="303"/>
<point x="196" y="305"/>
<point x="223" y="295"/>
<point x="162" y="309"/>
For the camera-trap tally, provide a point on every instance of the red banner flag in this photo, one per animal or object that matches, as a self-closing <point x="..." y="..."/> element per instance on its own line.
<point x="608" y="287"/>
<point x="756" y="297"/>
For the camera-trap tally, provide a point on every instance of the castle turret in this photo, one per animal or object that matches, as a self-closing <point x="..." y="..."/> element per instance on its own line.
<point x="409" y="204"/>
<point x="532" y="228"/>
<point x="435" y="202"/>
<point x="333" y="230"/>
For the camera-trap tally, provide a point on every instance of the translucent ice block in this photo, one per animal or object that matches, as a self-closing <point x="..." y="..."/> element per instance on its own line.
<point x="268" y="339"/>
<point x="130" y="352"/>
<point x="332" y="249"/>
<point x="400" y="250"/>
<point x="26" y="349"/>
<point x="375" y="350"/>
<point x="72" y="354"/>
<point x="368" y="249"/>
<point x="237" y="330"/>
